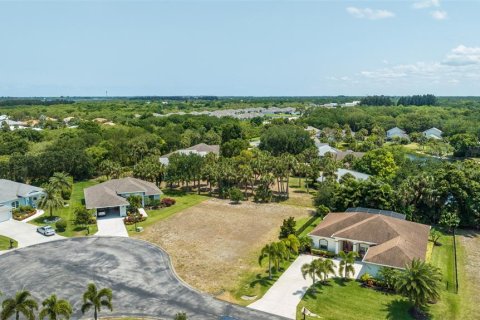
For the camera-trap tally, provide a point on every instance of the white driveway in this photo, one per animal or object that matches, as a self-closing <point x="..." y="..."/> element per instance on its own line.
<point x="24" y="233"/>
<point x="285" y="294"/>
<point x="111" y="226"/>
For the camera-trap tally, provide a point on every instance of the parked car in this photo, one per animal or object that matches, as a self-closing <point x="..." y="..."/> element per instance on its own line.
<point x="46" y="230"/>
<point x="101" y="213"/>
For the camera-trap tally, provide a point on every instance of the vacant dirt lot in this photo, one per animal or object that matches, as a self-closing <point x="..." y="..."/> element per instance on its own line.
<point x="214" y="242"/>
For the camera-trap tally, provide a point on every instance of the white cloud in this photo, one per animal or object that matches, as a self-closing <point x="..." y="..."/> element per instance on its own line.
<point x="439" y="14"/>
<point x="423" y="4"/>
<point x="371" y="14"/>
<point x="462" y="56"/>
<point x="460" y="65"/>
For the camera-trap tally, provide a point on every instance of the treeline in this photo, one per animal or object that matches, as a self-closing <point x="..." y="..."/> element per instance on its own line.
<point x="416" y="100"/>
<point x="33" y="102"/>
<point x="432" y="192"/>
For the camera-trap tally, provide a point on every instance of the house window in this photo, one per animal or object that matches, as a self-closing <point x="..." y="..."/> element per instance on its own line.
<point x="15" y="204"/>
<point x="362" y="249"/>
<point x="323" y="244"/>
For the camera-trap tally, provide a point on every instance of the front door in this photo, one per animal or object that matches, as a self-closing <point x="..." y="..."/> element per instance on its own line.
<point x="347" y="246"/>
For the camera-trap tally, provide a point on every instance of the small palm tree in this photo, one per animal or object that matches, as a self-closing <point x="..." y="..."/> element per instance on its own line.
<point x="54" y="309"/>
<point x="420" y="283"/>
<point x="61" y="182"/>
<point x="346" y="265"/>
<point x="22" y="303"/>
<point x="92" y="298"/>
<point x="310" y="269"/>
<point x="276" y="253"/>
<point x="326" y="267"/>
<point x="51" y="199"/>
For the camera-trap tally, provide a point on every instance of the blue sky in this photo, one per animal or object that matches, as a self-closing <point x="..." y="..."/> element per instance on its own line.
<point x="239" y="48"/>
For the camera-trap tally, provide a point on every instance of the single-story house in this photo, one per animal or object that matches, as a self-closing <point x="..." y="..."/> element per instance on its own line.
<point x="381" y="238"/>
<point x="433" y="133"/>
<point x="341" y="172"/>
<point x="14" y="194"/>
<point x="200" y="149"/>
<point x="324" y="148"/>
<point x="110" y="197"/>
<point x="396" y="133"/>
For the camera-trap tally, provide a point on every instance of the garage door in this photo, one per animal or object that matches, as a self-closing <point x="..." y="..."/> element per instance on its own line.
<point x="5" y="215"/>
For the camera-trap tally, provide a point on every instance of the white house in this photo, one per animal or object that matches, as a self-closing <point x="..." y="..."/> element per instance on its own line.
<point x="200" y="149"/>
<point x="433" y="133"/>
<point x="381" y="239"/>
<point x="342" y="172"/>
<point x="396" y="133"/>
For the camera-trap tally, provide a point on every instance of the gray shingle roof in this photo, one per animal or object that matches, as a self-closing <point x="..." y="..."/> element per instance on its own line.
<point x="106" y="194"/>
<point x="11" y="190"/>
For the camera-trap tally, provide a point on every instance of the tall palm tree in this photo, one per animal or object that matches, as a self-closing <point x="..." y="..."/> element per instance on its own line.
<point x="292" y="243"/>
<point x="325" y="268"/>
<point x="346" y="265"/>
<point x="22" y="303"/>
<point x="420" y="283"/>
<point x="51" y="199"/>
<point x="61" y="182"/>
<point x="54" y="309"/>
<point x="92" y="298"/>
<point x="276" y="253"/>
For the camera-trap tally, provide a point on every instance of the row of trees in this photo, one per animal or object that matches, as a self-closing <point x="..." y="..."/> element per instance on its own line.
<point x="22" y="304"/>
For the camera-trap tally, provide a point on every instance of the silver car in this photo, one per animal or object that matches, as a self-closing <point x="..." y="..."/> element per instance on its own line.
<point x="46" y="230"/>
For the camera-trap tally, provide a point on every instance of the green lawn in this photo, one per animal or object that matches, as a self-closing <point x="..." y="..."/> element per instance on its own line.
<point x="349" y="301"/>
<point x="257" y="284"/>
<point x="184" y="201"/>
<point x="5" y="243"/>
<point x="308" y="229"/>
<point x="449" y="305"/>
<point x="66" y="213"/>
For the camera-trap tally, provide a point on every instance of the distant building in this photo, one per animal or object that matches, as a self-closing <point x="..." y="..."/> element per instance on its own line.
<point x="351" y="104"/>
<point x="359" y="176"/>
<point x="433" y="133"/>
<point x="396" y="133"/>
<point x="200" y="149"/>
<point x="324" y="148"/>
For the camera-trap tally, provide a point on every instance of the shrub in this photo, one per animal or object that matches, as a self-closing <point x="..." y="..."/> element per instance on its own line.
<point x="236" y="195"/>
<point x="322" y="210"/>
<point x="132" y="218"/>
<point x="388" y="277"/>
<point x="154" y="203"/>
<point x="61" y="225"/>
<point x="323" y="253"/>
<point x="167" y="202"/>
<point x="367" y="279"/>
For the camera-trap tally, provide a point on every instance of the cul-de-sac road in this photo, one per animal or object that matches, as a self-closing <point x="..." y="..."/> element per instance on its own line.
<point x="139" y="274"/>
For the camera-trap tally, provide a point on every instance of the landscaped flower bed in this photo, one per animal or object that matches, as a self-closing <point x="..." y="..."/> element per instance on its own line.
<point x="132" y="218"/>
<point x="23" y="212"/>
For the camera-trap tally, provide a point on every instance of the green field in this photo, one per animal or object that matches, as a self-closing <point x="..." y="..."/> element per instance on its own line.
<point x="184" y="201"/>
<point x="66" y="213"/>
<point x="5" y="243"/>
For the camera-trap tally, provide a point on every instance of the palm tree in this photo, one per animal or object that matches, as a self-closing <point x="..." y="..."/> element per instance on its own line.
<point x="61" y="182"/>
<point x="326" y="267"/>
<point x="51" y="199"/>
<point x="22" y="303"/>
<point x="92" y="298"/>
<point x="54" y="309"/>
<point x="419" y="283"/>
<point x="276" y="253"/>
<point x="346" y="265"/>
<point x="311" y="269"/>
<point x="306" y="243"/>
<point x="292" y="243"/>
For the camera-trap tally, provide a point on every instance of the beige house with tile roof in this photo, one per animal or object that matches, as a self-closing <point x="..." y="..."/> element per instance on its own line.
<point x="380" y="240"/>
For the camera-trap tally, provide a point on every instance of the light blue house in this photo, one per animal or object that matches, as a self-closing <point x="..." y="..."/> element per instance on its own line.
<point x="14" y="194"/>
<point x="110" y="197"/>
<point x="433" y="133"/>
<point x="396" y="133"/>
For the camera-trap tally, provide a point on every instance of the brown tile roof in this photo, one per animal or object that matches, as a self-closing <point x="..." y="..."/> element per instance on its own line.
<point x="397" y="241"/>
<point x="106" y="194"/>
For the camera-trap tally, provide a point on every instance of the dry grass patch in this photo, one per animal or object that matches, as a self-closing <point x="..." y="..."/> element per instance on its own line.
<point x="214" y="243"/>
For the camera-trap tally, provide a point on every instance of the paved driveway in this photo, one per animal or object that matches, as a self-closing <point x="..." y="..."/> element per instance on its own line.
<point x="140" y="275"/>
<point x="283" y="297"/>
<point x="26" y="234"/>
<point x="111" y="226"/>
